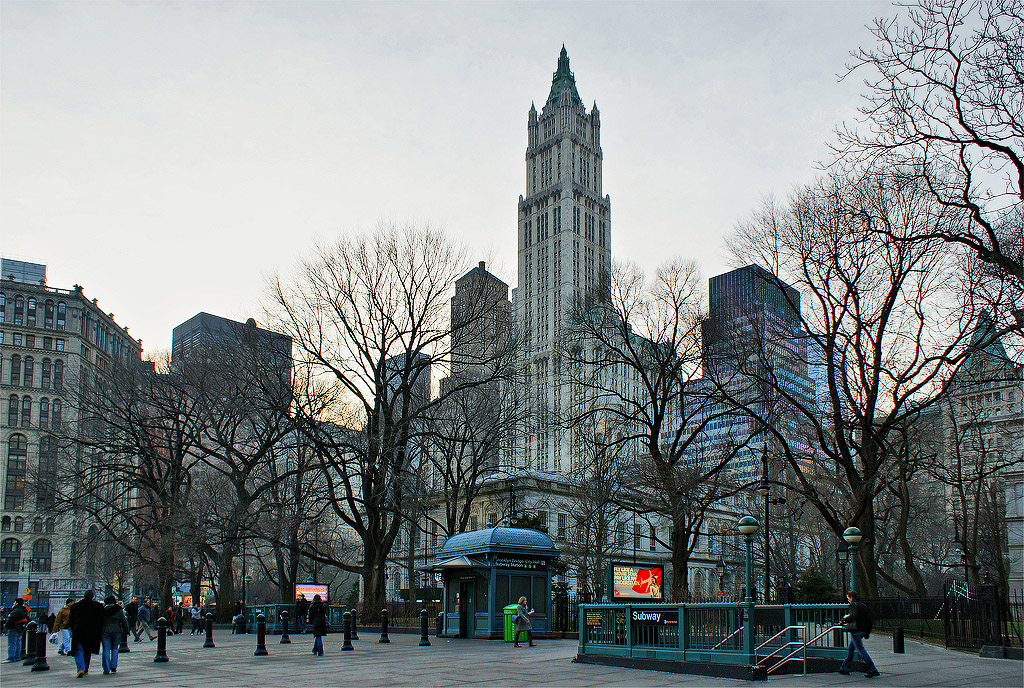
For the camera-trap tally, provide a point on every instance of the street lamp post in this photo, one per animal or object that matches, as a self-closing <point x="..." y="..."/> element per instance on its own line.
<point x="721" y="574"/>
<point x="852" y="536"/>
<point x="748" y="525"/>
<point x="765" y="488"/>
<point x="842" y="556"/>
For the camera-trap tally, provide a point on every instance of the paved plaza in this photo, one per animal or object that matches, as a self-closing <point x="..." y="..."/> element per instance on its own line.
<point x="466" y="662"/>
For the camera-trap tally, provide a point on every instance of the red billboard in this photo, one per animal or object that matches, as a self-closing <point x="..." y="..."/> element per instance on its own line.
<point x="636" y="582"/>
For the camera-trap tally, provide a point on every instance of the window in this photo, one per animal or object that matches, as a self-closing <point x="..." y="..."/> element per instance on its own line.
<point x="42" y="553"/>
<point x="3" y="307"/>
<point x="562" y="526"/>
<point x="61" y="315"/>
<point x="51" y="525"/>
<point x="44" y="381"/>
<point x="15" y="369"/>
<point x="654" y="538"/>
<point x="31" y="311"/>
<point x="30" y="341"/>
<point x="37" y="524"/>
<point x="19" y="310"/>
<point x="5" y="524"/>
<point x="12" y="410"/>
<point x="60" y="344"/>
<point x="48" y="315"/>
<point x="30" y="370"/>
<point x="44" y="412"/>
<point x="55" y="413"/>
<point x="47" y="474"/>
<point x="18" y="340"/>
<point x="26" y="411"/>
<point x="92" y="551"/>
<point x="474" y="523"/>
<point x="14" y="493"/>
<point x="636" y="537"/>
<point x="10" y="555"/>
<point x="58" y="374"/>
<point x="47" y="343"/>
<point x="19" y="524"/>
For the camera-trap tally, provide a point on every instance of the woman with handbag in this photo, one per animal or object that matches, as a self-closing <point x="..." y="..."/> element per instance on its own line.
<point x="523" y="623"/>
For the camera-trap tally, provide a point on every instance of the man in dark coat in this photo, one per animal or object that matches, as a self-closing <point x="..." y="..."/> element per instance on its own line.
<point x="131" y="613"/>
<point x="301" y="611"/>
<point x="15" y="623"/>
<point x="86" y="623"/>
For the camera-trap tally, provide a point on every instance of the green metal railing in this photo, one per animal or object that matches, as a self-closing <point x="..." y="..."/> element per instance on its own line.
<point x="710" y="632"/>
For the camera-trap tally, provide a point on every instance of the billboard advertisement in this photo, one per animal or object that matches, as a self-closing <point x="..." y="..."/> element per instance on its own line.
<point x="636" y="582"/>
<point x="310" y="589"/>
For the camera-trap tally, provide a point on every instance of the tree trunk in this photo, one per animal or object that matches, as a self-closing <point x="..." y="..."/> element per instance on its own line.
<point x="225" y="609"/>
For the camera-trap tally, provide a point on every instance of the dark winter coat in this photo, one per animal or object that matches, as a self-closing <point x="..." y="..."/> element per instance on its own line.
<point x="131" y="612"/>
<point x="301" y="607"/>
<point x="114" y="620"/>
<point x="86" y="624"/>
<point x="318" y="618"/>
<point x="17" y="620"/>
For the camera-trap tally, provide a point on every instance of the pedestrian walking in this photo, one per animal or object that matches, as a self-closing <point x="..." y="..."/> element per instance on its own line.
<point x="131" y="612"/>
<point x="15" y="625"/>
<point x="318" y="621"/>
<point x="115" y="626"/>
<point x="197" y="620"/>
<point x="179" y="618"/>
<point x="86" y="622"/>
<point x="301" y="611"/>
<point x="60" y="625"/>
<point x="145" y="618"/>
<point x="169" y="615"/>
<point x="858" y="623"/>
<point x="523" y="623"/>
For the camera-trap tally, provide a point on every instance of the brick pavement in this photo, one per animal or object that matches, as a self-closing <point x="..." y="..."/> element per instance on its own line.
<point x="465" y="662"/>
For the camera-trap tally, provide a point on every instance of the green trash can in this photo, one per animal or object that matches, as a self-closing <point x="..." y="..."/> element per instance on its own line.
<point x="510" y="624"/>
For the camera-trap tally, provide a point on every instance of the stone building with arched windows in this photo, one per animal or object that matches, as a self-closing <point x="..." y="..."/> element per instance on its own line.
<point x="52" y="343"/>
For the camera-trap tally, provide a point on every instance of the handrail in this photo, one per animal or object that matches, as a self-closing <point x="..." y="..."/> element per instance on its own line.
<point x="787" y="628"/>
<point x="727" y="637"/>
<point x="803" y="646"/>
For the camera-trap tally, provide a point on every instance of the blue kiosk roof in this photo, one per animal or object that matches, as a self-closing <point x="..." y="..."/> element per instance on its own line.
<point x="500" y="539"/>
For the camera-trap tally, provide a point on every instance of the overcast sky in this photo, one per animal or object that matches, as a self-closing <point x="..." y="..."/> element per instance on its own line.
<point x="170" y="156"/>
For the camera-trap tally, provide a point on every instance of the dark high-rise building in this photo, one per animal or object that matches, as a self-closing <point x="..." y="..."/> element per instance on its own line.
<point x="211" y="334"/>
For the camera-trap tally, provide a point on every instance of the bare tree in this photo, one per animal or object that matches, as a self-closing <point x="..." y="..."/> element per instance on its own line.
<point x="945" y="85"/>
<point x="631" y="360"/>
<point x="889" y="320"/>
<point x="370" y="314"/>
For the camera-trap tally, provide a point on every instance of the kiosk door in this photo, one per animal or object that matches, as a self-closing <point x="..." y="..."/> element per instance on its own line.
<point x="467" y="608"/>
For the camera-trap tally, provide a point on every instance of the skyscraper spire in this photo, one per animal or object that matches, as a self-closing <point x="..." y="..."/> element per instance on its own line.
<point x="563" y="80"/>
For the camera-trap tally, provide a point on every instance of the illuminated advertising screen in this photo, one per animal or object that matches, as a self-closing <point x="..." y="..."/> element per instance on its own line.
<point x="310" y="589"/>
<point x="636" y="582"/>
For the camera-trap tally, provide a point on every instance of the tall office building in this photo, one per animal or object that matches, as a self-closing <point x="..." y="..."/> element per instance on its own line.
<point x="564" y="248"/>
<point x="205" y="334"/>
<point x="54" y="345"/>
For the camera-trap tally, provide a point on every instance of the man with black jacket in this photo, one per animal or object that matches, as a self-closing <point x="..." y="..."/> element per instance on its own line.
<point x="858" y="623"/>
<point x="15" y="624"/>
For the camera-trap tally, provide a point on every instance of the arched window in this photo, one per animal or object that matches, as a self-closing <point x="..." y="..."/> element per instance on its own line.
<point x="55" y="413"/>
<point x="10" y="555"/>
<point x="15" y="369"/>
<point x="5" y="523"/>
<point x="45" y="375"/>
<point x="17" y="459"/>
<point x="42" y="553"/>
<point x="31" y="311"/>
<point x="92" y="548"/>
<point x="19" y="524"/>
<point x="61" y="314"/>
<point x="3" y="307"/>
<point x="30" y="369"/>
<point x="12" y="410"/>
<point x="37" y="524"/>
<point x="19" y="310"/>
<point x="44" y="412"/>
<point x="26" y="411"/>
<point x="47" y="472"/>
<point x="51" y="525"/>
<point x="48" y="315"/>
<point x="58" y="374"/>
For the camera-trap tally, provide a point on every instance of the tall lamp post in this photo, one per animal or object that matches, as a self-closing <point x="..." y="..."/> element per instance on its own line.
<point x="721" y="575"/>
<point x="764" y="488"/>
<point x="852" y="536"/>
<point x="842" y="556"/>
<point x="748" y="525"/>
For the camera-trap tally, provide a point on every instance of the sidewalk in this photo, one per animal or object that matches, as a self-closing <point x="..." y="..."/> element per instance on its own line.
<point x="464" y="662"/>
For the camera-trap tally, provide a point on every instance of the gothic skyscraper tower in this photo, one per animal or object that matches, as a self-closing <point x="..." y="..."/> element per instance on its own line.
<point x="564" y="247"/>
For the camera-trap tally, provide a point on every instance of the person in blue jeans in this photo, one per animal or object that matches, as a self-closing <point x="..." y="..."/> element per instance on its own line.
<point x="115" y="626"/>
<point x="86" y="622"/>
<point x="858" y="622"/>
<point x="15" y="625"/>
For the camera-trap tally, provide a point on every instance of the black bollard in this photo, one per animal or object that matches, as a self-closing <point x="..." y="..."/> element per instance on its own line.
<point x="897" y="640"/>
<point x="30" y="643"/>
<point x="209" y="630"/>
<point x="384" y="626"/>
<point x="440" y="624"/>
<point x="161" y="641"/>
<point x="123" y="646"/>
<point x="424" y="640"/>
<point x="355" y="622"/>
<point x="285" y="640"/>
<point x="346" y="624"/>
<point x="261" y="636"/>
<point x="40" y="663"/>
